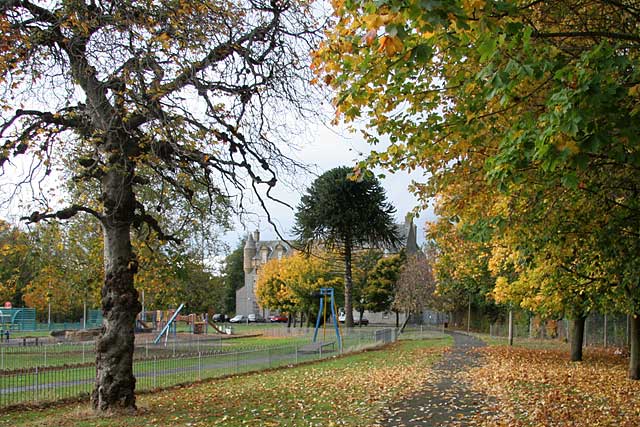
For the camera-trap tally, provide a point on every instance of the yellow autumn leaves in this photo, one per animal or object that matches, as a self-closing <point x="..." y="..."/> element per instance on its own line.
<point x="287" y="284"/>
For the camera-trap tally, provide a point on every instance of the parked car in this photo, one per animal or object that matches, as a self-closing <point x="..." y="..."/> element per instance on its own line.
<point x="218" y="317"/>
<point x="278" y="318"/>
<point x="365" y="321"/>
<point x="238" y="318"/>
<point x="256" y="319"/>
<point x="342" y="317"/>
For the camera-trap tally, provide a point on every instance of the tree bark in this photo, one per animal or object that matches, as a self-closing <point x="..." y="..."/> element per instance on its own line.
<point x="511" y="328"/>
<point x="115" y="383"/>
<point x="577" y="338"/>
<point x="348" y="286"/>
<point x="634" y="358"/>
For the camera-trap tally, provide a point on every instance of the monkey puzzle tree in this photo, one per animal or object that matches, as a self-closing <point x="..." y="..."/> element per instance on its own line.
<point x="177" y="97"/>
<point x="342" y="213"/>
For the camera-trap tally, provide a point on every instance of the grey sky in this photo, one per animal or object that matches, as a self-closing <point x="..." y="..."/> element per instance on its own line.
<point x="327" y="149"/>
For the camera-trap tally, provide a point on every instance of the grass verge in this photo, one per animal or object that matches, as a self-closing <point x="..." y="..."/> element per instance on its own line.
<point x="345" y="391"/>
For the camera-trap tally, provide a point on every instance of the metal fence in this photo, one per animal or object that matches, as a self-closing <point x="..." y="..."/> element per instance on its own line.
<point x="176" y="364"/>
<point x="600" y="330"/>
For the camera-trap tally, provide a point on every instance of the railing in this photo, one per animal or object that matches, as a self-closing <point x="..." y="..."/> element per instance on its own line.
<point x="599" y="331"/>
<point x="156" y="367"/>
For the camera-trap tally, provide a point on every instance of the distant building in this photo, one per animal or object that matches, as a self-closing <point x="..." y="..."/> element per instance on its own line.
<point x="257" y="252"/>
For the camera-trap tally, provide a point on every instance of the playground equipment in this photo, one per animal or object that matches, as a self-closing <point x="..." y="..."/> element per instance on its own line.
<point x="327" y="294"/>
<point x="20" y="319"/>
<point x="226" y="331"/>
<point x="167" y="327"/>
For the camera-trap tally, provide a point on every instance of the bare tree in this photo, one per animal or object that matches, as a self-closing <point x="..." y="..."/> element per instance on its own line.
<point x="416" y="286"/>
<point x="184" y="98"/>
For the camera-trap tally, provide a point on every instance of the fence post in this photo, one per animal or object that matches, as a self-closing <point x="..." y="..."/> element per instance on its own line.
<point x="320" y="350"/>
<point x="237" y="362"/>
<point x="37" y="385"/>
<point x="155" y="372"/>
<point x="174" y="347"/>
<point x="269" y="355"/>
<point x="45" y="355"/>
<point x="146" y="348"/>
<point x="586" y="336"/>
<point x="2" y="352"/>
<point x="199" y="366"/>
<point x="83" y="352"/>
<point x="296" y="348"/>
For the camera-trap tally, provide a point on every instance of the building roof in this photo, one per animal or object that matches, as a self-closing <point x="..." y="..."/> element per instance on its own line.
<point x="271" y="246"/>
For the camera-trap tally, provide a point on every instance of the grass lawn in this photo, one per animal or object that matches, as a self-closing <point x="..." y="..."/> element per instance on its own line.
<point x="345" y="391"/>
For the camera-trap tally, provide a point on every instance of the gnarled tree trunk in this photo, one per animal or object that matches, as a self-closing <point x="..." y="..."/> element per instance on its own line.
<point x="577" y="338"/>
<point x="115" y="383"/>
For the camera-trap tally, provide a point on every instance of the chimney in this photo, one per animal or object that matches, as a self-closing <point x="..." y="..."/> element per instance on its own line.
<point x="256" y="236"/>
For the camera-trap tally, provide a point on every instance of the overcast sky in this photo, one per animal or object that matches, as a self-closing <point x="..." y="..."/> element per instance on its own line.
<point x="327" y="149"/>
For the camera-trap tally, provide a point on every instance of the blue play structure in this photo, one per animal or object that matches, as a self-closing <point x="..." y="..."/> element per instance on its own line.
<point x="327" y="294"/>
<point x="18" y="319"/>
<point x="168" y="326"/>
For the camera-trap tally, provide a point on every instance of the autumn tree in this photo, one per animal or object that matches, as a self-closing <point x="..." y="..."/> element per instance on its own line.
<point x="509" y="97"/>
<point x="189" y="99"/>
<point x="364" y="263"/>
<point x="342" y="212"/>
<point x="380" y="291"/>
<point x="416" y="286"/>
<point x="17" y="263"/>
<point x="68" y="268"/>
<point x="290" y="284"/>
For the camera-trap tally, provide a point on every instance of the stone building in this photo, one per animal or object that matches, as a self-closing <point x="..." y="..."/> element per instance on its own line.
<point x="257" y="252"/>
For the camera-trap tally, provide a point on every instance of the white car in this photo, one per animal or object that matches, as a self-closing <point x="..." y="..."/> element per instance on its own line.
<point x="254" y="318"/>
<point x="342" y="317"/>
<point x="238" y="318"/>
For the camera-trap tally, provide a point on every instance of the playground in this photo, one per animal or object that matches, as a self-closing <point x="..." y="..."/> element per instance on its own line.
<point x="172" y="348"/>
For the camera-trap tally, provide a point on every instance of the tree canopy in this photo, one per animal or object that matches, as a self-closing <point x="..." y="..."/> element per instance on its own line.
<point x="343" y="212"/>
<point x="524" y="116"/>
<point x="190" y="101"/>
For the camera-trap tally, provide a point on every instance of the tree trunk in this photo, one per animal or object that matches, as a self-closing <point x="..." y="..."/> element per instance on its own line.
<point x="115" y="383"/>
<point x="511" y="328"/>
<point x="406" y="320"/>
<point x="577" y="338"/>
<point x="361" y="313"/>
<point x="397" y="319"/>
<point x="348" y="286"/>
<point x="634" y="359"/>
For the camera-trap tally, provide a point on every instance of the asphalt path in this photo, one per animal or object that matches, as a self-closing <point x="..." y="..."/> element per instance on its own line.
<point x="446" y="400"/>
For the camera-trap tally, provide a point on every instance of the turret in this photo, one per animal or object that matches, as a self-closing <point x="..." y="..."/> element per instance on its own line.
<point x="249" y="253"/>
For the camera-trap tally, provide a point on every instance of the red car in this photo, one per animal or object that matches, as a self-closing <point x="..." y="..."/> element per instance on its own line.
<point x="278" y="318"/>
